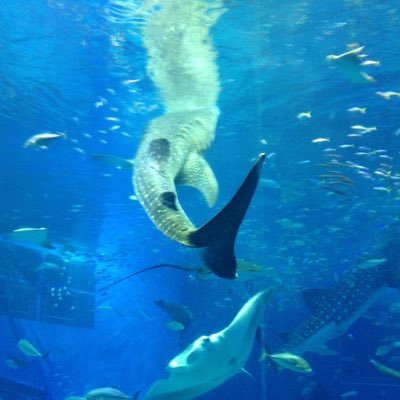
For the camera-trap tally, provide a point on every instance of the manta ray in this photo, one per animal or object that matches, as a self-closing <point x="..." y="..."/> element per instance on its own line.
<point x="211" y="360"/>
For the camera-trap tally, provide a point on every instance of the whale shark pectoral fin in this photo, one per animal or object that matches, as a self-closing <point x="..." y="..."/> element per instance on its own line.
<point x="197" y="173"/>
<point x="218" y="235"/>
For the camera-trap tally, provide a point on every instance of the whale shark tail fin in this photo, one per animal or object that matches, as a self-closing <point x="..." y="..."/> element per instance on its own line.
<point x="217" y="236"/>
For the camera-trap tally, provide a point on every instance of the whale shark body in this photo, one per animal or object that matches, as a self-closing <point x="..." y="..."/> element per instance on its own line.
<point x="181" y="62"/>
<point x="211" y="360"/>
<point x="333" y="310"/>
<point x="166" y="159"/>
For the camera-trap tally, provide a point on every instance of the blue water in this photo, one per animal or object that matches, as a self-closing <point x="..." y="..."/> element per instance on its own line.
<point x="64" y="67"/>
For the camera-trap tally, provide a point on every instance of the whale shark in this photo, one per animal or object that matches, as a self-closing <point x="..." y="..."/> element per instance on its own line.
<point x="211" y="360"/>
<point x="333" y="310"/>
<point x="156" y="190"/>
<point x="181" y="62"/>
<point x="162" y="163"/>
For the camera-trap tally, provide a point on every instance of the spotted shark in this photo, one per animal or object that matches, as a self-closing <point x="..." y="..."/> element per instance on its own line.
<point x="156" y="175"/>
<point x="211" y="360"/>
<point x="333" y="310"/>
<point x="166" y="158"/>
<point x="181" y="62"/>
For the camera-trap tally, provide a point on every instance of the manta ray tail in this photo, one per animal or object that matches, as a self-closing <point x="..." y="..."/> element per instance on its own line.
<point x="218" y="235"/>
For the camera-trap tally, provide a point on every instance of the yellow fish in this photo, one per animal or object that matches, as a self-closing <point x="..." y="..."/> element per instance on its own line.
<point x="304" y="115"/>
<point x="289" y="361"/>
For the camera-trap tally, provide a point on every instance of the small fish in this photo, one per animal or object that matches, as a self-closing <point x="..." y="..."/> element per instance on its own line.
<point x="386" y="370"/>
<point x="383" y="350"/>
<point x="325" y="165"/>
<point x="177" y="312"/>
<point x="108" y="393"/>
<point x="381" y="173"/>
<point x="31" y="236"/>
<point x="373" y="262"/>
<point x="270" y="183"/>
<point x="104" y="307"/>
<point x="342" y="183"/>
<point x="15" y="362"/>
<point x="364" y="129"/>
<point x="41" y="139"/>
<point x="100" y="103"/>
<point x="349" y="63"/>
<point x="175" y="326"/>
<point x="48" y="266"/>
<point x="289" y="361"/>
<point x="354" y="135"/>
<point x="350" y="393"/>
<point x="360" y="110"/>
<point x="344" y="178"/>
<point x="320" y="140"/>
<point x="382" y="189"/>
<point x="334" y="190"/>
<point x="351" y="53"/>
<point x="333" y="155"/>
<point x="29" y="349"/>
<point x="326" y="176"/>
<point x="346" y="146"/>
<point x="130" y="81"/>
<point x="303" y="115"/>
<point x="371" y="63"/>
<point x="388" y="95"/>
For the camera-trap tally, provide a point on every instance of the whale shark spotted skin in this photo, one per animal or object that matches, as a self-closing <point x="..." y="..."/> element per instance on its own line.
<point x="171" y="154"/>
<point x="333" y="310"/>
<point x="211" y="360"/>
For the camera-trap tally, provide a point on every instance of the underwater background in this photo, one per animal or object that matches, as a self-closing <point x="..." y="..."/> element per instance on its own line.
<point x="79" y="67"/>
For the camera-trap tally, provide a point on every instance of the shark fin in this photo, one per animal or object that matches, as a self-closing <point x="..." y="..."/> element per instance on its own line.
<point x="113" y="160"/>
<point x="313" y="297"/>
<point x="218" y="235"/>
<point x="197" y="173"/>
